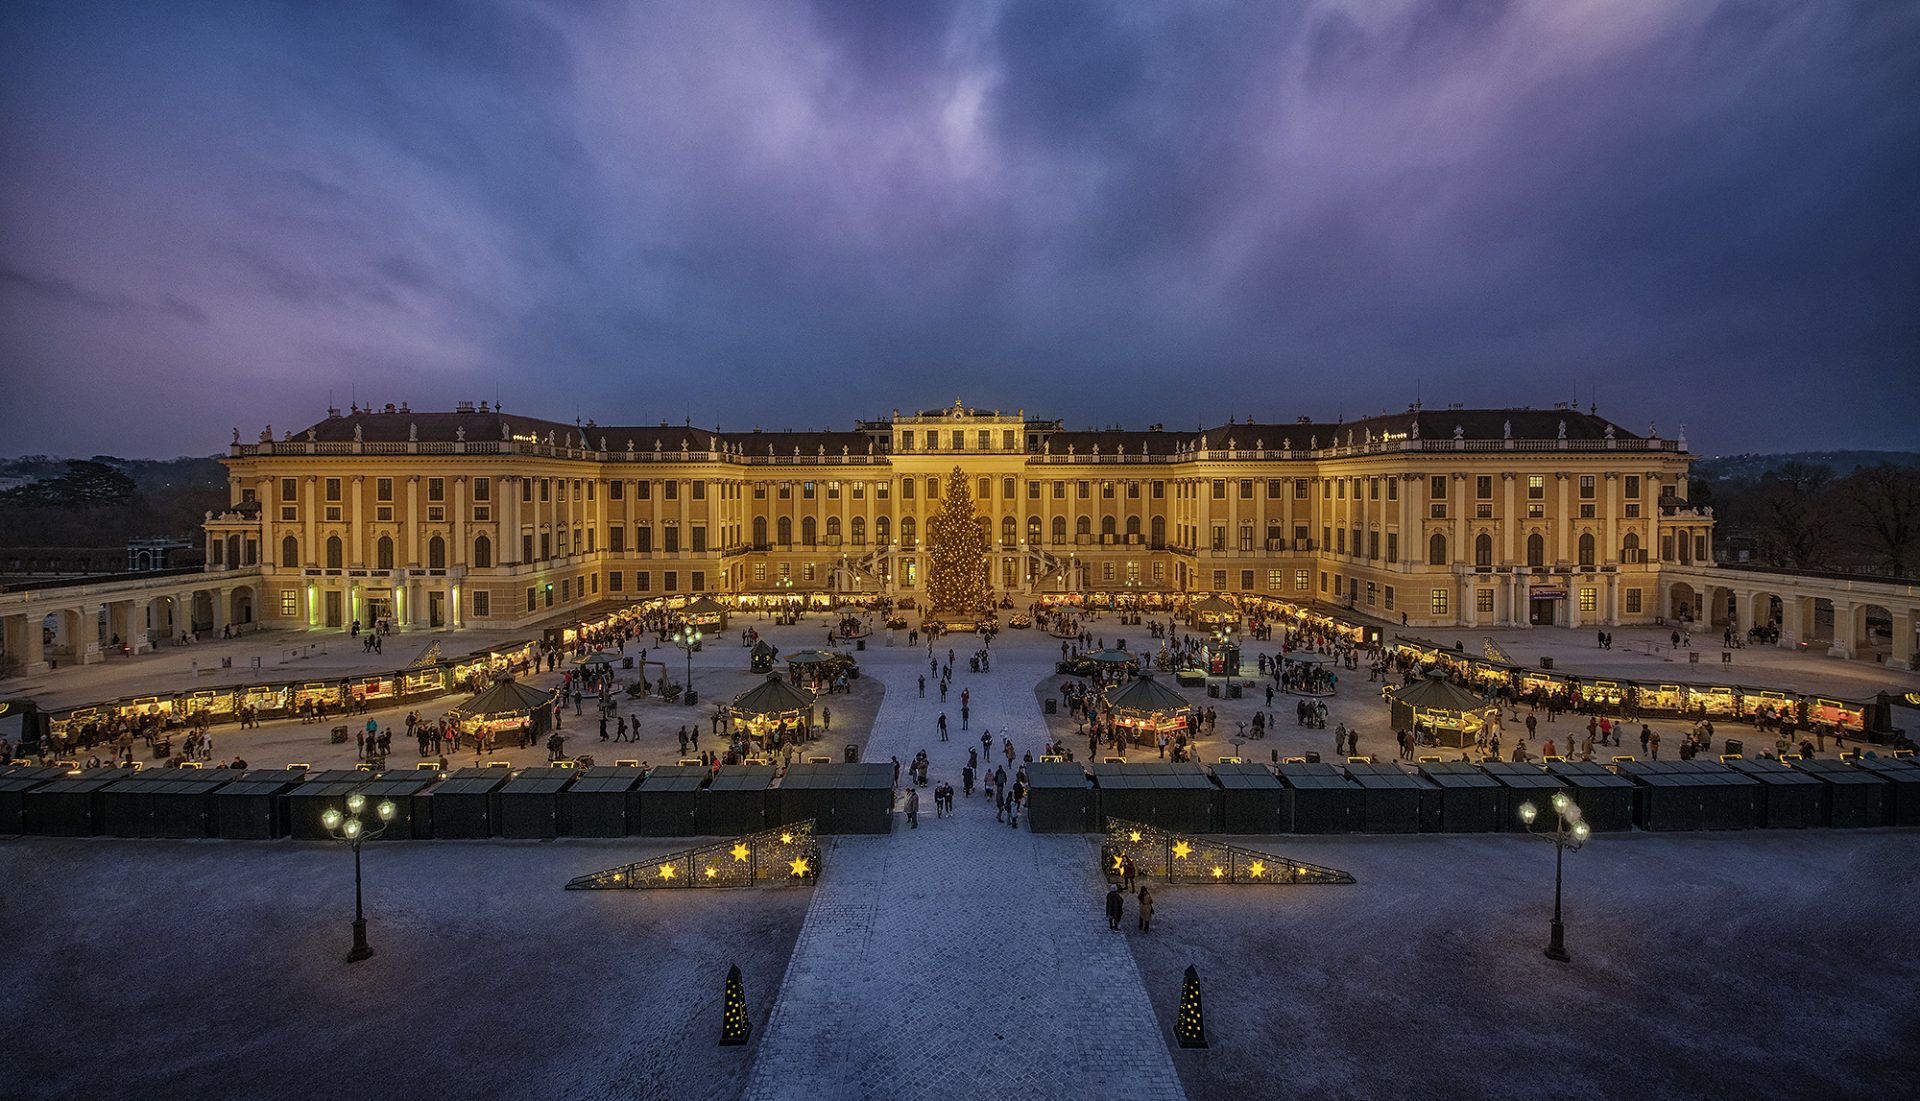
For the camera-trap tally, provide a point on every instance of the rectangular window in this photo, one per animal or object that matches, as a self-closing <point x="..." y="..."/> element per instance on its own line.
<point x="526" y="548"/>
<point x="290" y="602"/>
<point x="546" y="490"/>
<point x="933" y="488"/>
<point x="333" y="489"/>
<point x="1059" y="491"/>
<point x="643" y="539"/>
<point x="1536" y="511"/>
<point x="1633" y="601"/>
<point x="670" y="539"/>
<point x="1009" y="439"/>
<point x="1276" y="579"/>
<point x="1106" y="491"/>
<point x="906" y="441"/>
<point x="1373" y="544"/>
<point x="546" y="545"/>
<point x="959" y="440"/>
<point x="1219" y="537"/>
<point x="1302" y="580"/>
<point x="906" y="488"/>
<point x="1033" y="491"/>
<point x="1219" y="580"/>
<point x="1081" y="490"/>
<point x="699" y="489"/>
<point x="1586" y="512"/>
<point x="1483" y="601"/>
<point x="986" y="439"/>
<point x="1633" y="510"/>
<point x="1589" y="599"/>
<point x="482" y="603"/>
<point x="1633" y="487"/>
<point x="699" y="538"/>
<point x="1106" y="571"/>
<point x="833" y="491"/>
<point x="1437" y="603"/>
<point x="670" y="490"/>
<point x="759" y="571"/>
<point x="1437" y="487"/>
<point x="1299" y="489"/>
<point x="1246" y="489"/>
<point x="1483" y="487"/>
<point x="1536" y="487"/>
<point x="1340" y="490"/>
<point x="566" y="589"/>
<point x="1586" y="487"/>
<point x="1159" y="571"/>
<point x="616" y="581"/>
<point x="882" y="490"/>
<point x="617" y="539"/>
<point x="616" y="491"/>
<point x="1393" y="546"/>
<point x="806" y="491"/>
<point x="1386" y="598"/>
<point x="643" y="491"/>
<point x="533" y="599"/>
<point x="643" y="582"/>
<point x="1393" y="489"/>
<point x="1372" y="594"/>
<point x="699" y="581"/>
<point x="1219" y="489"/>
<point x="1340" y="541"/>
<point x="670" y="581"/>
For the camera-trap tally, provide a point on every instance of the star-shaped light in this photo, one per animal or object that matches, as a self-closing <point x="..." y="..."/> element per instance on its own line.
<point x="712" y="872"/>
<point x="740" y="851"/>
<point x="799" y="866"/>
<point x="786" y="839"/>
<point x="1182" y="850"/>
<point x="1218" y="871"/>
<point x="1134" y="837"/>
<point x="1257" y="869"/>
<point x="1119" y="863"/>
<point x="666" y="871"/>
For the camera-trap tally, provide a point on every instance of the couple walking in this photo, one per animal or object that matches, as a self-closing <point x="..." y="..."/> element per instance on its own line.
<point x="1117" y="907"/>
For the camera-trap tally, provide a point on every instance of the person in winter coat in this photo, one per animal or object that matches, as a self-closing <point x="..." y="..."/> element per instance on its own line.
<point x="1116" y="906"/>
<point x="913" y="807"/>
<point x="1146" y="910"/>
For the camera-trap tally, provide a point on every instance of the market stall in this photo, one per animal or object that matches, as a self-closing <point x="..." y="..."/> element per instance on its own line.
<point x="705" y="613"/>
<point x="770" y="708"/>
<point x="1145" y="709"/>
<point x="1453" y="715"/>
<point x="1213" y="613"/>
<point x="503" y="709"/>
<point x="820" y="667"/>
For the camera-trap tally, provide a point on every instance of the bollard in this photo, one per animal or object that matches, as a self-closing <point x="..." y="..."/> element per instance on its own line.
<point x="1189" y="1025"/>
<point x="734" y="1026"/>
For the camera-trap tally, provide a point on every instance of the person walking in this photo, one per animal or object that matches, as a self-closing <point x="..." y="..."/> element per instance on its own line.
<point x="942" y="725"/>
<point x="1146" y="909"/>
<point x="1116" y="906"/>
<point x="913" y="807"/>
<point x="1127" y="872"/>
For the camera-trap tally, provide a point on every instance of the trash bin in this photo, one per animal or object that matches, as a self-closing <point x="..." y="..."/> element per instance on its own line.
<point x="859" y="643"/>
<point x="1051" y="707"/>
<point x="1735" y="747"/>
<point x="1313" y="756"/>
<point x="1213" y="690"/>
<point x="1233" y="691"/>
<point x="626" y="663"/>
<point x="693" y="698"/>
<point x="852" y="754"/>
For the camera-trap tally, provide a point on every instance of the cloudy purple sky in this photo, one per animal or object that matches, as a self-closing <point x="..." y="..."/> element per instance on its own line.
<point x="213" y="214"/>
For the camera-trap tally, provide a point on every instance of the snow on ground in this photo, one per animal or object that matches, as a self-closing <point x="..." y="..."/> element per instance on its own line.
<point x="1775" y="964"/>
<point x="159" y="969"/>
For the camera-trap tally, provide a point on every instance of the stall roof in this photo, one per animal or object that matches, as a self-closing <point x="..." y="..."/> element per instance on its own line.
<point x="742" y="778"/>
<point x="1369" y="774"/>
<point x="1115" y="657"/>
<point x="1151" y="774"/>
<point x="472" y="781"/>
<point x="1772" y="772"/>
<point x="1684" y="774"/>
<point x="79" y="785"/>
<point x="1146" y="695"/>
<point x="1438" y="694"/>
<point x="772" y="696"/>
<point x="538" y="781"/>
<point x="609" y="778"/>
<point x="1245" y="776"/>
<point x="1056" y="774"/>
<point x="261" y="781"/>
<point x="506" y="697"/>
<point x="1213" y="605"/>
<point x="1306" y="775"/>
<point x="677" y="778"/>
<point x="1838" y="772"/>
<point x="25" y="777"/>
<point x="1588" y="774"/>
<point x="1900" y="769"/>
<point x="331" y="783"/>
<point x="1520" y="775"/>
<point x="704" y="605"/>
<point x="1457" y="774"/>
<point x="836" y="774"/>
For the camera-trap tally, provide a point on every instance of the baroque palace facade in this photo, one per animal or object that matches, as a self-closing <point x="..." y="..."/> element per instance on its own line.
<point x="1450" y="517"/>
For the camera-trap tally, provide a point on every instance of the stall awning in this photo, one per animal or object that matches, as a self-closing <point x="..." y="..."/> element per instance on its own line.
<point x="1438" y="694"/>
<point x="1146" y="696"/>
<point x="508" y="697"/>
<point x="772" y="696"/>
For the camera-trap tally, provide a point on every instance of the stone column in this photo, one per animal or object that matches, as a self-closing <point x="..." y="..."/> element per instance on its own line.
<point x="1509" y="520"/>
<point x="1843" y="630"/>
<point x="1562" y="521"/>
<point x="217" y="600"/>
<point x="1903" y="641"/>
<point x="413" y="522"/>
<point x="1611" y="487"/>
<point x="310" y="512"/>
<point x="457" y="554"/>
<point x="357" y="535"/>
<point x="1793" y="625"/>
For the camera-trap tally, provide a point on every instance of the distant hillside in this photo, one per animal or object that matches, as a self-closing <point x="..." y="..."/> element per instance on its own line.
<point x="1842" y="463"/>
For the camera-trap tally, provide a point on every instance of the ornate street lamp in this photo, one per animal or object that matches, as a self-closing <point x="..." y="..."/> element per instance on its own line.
<point x="688" y="639"/>
<point x="349" y="829"/>
<point x="1569" y="832"/>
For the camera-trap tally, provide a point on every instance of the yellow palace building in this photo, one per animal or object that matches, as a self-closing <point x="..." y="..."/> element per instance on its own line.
<point x="478" y="516"/>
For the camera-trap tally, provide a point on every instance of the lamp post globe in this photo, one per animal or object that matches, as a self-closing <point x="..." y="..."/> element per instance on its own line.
<point x="1528" y="812"/>
<point x="1569" y="832"/>
<point x="348" y="828"/>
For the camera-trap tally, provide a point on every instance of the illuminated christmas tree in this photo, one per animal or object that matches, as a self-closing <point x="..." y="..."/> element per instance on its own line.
<point x="956" y="552"/>
<point x="1189" y="1026"/>
<point x="734" y="1026"/>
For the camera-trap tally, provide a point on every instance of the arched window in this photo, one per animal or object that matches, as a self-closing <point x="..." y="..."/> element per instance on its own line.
<point x="1009" y="531"/>
<point x="1536" y="550"/>
<point x="882" y="530"/>
<point x="759" y="531"/>
<point x="859" y="528"/>
<point x="1586" y="548"/>
<point x="436" y="553"/>
<point x="482" y="552"/>
<point x="833" y="529"/>
<point x="1083" y="526"/>
<point x="1106" y="529"/>
<point x="333" y="552"/>
<point x="1034" y="530"/>
<point x="1133" y="528"/>
<point x="1483" y="550"/>
<point x="809" y="531"/>
<point x="383" y="553"/>
<point x="785" y="528"/>
<point x="1158" y="530"/>
<point x="1630" y="547"/>
<point x="1059" y="529"/>
<point x="1437" y="550"/>
<point x="908" y="530"/>
<point x="289" y="553"/>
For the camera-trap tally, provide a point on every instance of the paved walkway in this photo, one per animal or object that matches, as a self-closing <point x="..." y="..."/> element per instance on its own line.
<point x="963" y="957"/>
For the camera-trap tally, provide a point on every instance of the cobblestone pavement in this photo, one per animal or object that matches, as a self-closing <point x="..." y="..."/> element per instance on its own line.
<point x="962" y="957"/>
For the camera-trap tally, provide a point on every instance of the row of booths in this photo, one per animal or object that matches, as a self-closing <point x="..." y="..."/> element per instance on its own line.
<point x="1869" y="719"/>
<point x="1365" y="796"/>
<point x="532" y="803"/>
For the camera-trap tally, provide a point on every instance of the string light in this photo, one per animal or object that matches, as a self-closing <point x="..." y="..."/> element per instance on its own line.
<point x="734" y="1025"/>
<point x="956" y="552"/>
<point x="1177" y="858"/>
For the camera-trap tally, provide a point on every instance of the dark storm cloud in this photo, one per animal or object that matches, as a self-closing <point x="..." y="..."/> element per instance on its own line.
<point x="796" y="214"/>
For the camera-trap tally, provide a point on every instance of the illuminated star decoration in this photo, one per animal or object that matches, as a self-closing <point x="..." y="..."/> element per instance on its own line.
<point x="712" y="871"/>
<point x="799" y="866"/>
<point x="1182" y="850"/>
<point x="1257" y="869"/>
<point x="786" y="839"/>
<point x="1134" y="837"/>
<point x="740" y="851"/>
<point x="1218" y="871"/>
<point x="666" y="871"/>
<point x="1119" y="863"/>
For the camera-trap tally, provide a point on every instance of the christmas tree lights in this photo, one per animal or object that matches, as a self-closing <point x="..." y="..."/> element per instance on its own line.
<point x="956" y="553"/>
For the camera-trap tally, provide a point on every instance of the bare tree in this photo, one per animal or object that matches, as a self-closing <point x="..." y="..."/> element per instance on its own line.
<point x="1794" y="521"/>
<point x="1882" y="507"/>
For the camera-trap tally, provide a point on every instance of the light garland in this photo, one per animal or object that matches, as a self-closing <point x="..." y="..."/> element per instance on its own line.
<point x="1185" y="858"/>
<point x="790" y="854"/>
<point x="956" y="553"/>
